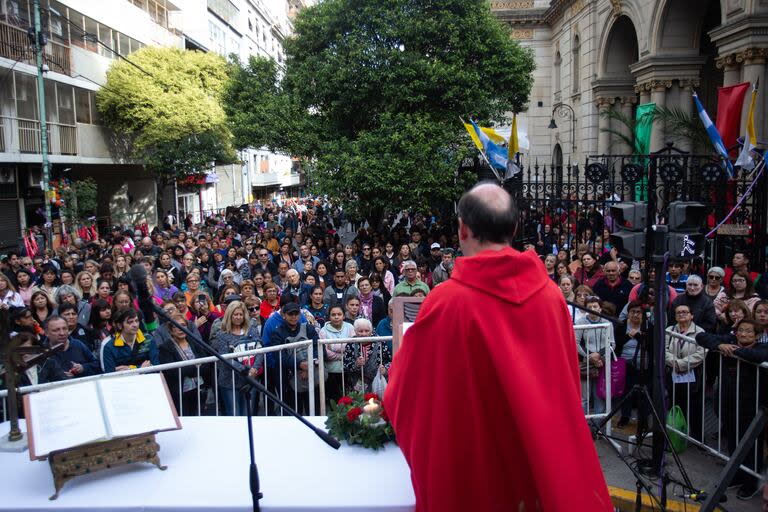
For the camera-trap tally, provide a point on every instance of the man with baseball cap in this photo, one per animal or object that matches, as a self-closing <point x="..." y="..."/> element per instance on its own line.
<point x="435" y="256"/>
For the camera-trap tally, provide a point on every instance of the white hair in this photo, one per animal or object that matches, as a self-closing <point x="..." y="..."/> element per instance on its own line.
<point x="363" y="322"/>
<point x="695" y="279"/>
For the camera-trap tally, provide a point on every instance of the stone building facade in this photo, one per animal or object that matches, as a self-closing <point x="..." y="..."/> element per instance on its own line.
<point x="593" y="55"/>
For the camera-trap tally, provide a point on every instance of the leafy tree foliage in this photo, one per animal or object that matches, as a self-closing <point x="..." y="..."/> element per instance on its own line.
<point x="260" y="114"/>
<point x="169" y="105"/>
<point x="80" y="199"/>
<point x="372" y="93"/>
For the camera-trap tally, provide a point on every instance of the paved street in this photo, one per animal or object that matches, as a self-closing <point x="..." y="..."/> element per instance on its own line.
<point x="703" y="470"/>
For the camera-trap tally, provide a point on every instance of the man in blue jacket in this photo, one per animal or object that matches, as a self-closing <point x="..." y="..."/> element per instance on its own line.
<point x="76" y="360"/>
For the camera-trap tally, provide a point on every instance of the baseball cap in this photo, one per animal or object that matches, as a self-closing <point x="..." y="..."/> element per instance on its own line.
<point x="290" y="307"/>
<point x="435" y="246"/>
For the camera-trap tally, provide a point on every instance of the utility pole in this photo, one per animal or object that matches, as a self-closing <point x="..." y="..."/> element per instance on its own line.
<point x="39" y="41"/>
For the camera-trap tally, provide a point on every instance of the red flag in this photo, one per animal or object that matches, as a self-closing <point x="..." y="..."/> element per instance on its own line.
<point x="730" y="101"/>
<point x="28" y="246"/>
<point x="33" y="243"/>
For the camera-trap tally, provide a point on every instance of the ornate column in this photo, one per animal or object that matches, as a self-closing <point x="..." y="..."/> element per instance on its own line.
<point x="645" y="94"/>
<point x="731" y="69"/>
<point x="685" y="103"/>
<point x="754" y="60"/>
<point x="659" y="97"/>
<point x="603" y="123"/>
<point x="625" y="105"/>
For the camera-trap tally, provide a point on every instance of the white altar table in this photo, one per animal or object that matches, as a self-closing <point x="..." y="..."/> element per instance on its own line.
<point x="208" y="471"/>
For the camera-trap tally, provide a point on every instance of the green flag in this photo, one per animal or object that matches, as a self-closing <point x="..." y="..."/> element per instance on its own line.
<point x="643" y="125"/>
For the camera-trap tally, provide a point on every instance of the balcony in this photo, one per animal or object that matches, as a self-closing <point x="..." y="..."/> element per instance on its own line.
<point x="14" y="45"/>
<point x="265" y="179"/>
<point x="290" y="180"/>
<point x="23" y="136"/>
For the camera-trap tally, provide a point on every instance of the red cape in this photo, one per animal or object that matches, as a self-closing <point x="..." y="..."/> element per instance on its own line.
<point x="484" y="394"/>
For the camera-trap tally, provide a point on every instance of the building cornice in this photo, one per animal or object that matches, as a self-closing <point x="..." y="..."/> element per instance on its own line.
<point x="522" y="13"/>
<point x="556" y="9"/>
<point x="667" y="68"/>
<point x="608" y="88"/>
<point x="741" y="33"/>
<point x="528" y="17"/>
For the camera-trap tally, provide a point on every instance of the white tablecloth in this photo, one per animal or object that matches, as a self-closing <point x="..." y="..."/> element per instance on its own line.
<point x="208" y="471"/>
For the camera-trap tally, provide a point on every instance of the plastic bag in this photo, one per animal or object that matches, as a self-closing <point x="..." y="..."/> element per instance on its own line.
<point x="379" y="385"/>
<point x="676" y="419"/>
<point x="618" y="378"/>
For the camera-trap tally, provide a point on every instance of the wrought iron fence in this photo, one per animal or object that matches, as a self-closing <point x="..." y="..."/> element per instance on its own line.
<point x="574" y="201"/>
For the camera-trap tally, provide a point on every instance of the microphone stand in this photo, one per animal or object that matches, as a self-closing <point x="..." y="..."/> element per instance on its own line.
<point x="661" y="435"/>
<point x="248" y="383"/>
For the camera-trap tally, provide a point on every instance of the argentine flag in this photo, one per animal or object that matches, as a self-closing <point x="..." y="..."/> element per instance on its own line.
<point x="497" y="155"/>
<point x="714" y="135"/>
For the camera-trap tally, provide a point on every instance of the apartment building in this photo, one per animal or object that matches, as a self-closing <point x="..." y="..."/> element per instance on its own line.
<point x="84" y="37"/>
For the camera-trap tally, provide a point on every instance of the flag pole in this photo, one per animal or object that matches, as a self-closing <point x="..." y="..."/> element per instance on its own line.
<point x="485" y="157"/>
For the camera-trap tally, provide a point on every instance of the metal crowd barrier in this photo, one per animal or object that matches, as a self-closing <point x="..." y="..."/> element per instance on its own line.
<point x="711" y="413"/>
<point x="590" y="408"/>
<point x="322" y="364"/>
<point x="208" y="393"/>
<point x="198" y="363"/>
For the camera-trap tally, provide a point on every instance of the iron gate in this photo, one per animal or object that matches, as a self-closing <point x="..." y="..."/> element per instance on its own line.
<point x="569" y="204"/>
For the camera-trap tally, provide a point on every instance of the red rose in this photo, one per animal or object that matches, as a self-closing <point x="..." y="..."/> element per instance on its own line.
<point x="353" y="413"/>
<point x="345" y="400"/>
<point x="368" y="396"/>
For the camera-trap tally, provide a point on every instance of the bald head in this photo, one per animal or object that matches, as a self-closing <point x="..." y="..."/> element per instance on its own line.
<point x="488" y="216"/>
<point x="493" y="196"/>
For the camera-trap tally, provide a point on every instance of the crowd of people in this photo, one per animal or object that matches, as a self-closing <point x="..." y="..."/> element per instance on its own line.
<point x="269" y="274"/>
<point x="725" y="310"/>
<point x="263" y="275"/>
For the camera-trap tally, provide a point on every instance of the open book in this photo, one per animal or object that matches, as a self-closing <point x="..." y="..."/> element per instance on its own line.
<point x="97" y="410"/>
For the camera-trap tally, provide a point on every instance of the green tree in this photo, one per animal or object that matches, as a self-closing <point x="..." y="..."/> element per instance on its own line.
<point x="168" y="105"/>
<point x="80" y="200"/>
<point x="372" y="93"/>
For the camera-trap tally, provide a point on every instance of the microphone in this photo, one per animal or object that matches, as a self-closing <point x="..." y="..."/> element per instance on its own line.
<point x="138" y="276"/>
<point x="611" y="319"/>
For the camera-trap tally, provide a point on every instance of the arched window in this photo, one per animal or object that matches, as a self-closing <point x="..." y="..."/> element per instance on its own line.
<point x="556" y="79"/>
<point x="576" y="63"/>
<point x="557" y="163"/>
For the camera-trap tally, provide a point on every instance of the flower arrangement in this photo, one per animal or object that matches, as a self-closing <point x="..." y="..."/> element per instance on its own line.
<point x="360" y="419"/>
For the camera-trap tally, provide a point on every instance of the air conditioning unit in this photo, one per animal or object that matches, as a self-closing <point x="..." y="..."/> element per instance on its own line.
<point x="35" y="177"/>
<point x="7" y="175"/>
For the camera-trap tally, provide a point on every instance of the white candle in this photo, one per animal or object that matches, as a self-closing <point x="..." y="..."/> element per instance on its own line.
<point x="371" y="408"/>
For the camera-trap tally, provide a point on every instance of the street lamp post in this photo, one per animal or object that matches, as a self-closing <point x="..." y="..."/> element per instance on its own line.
<point x="564" y="111"/>
<point x="39" y="43"/>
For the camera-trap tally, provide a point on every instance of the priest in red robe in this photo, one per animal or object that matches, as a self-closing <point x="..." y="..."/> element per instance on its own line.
<point x="484" y="393"/>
